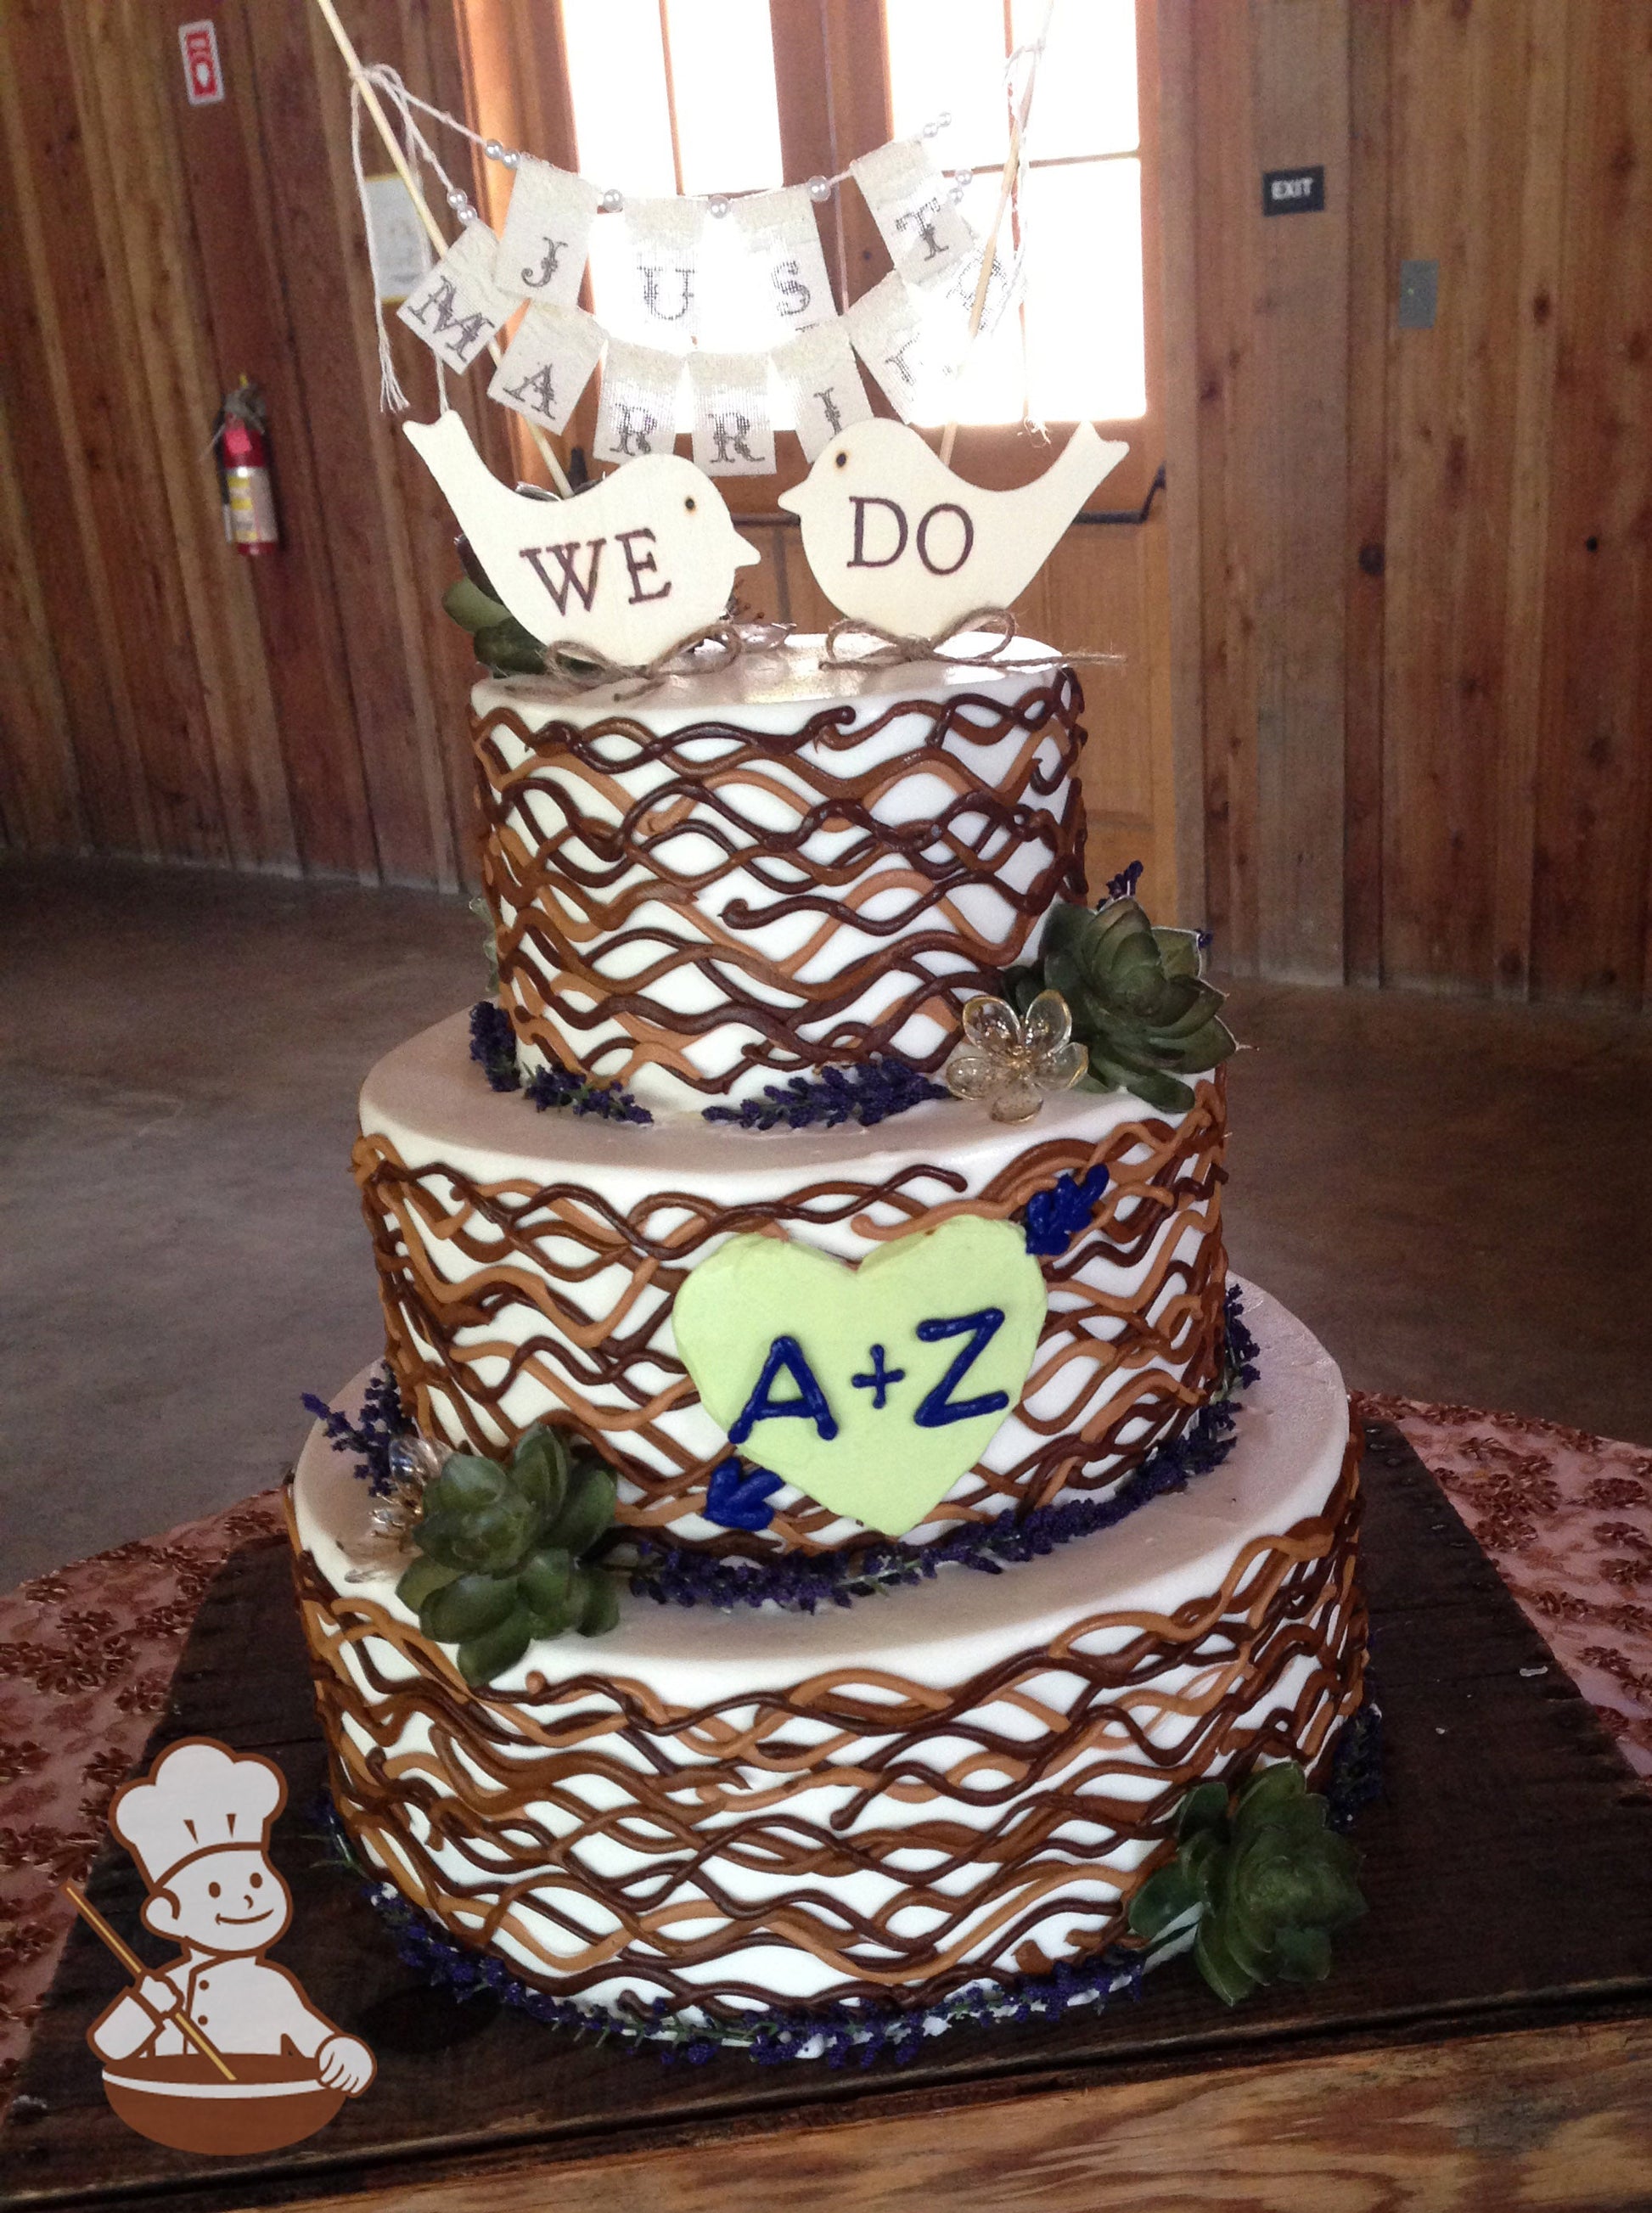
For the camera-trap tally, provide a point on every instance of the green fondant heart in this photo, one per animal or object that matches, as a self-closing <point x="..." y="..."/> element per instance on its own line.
<point x="872" y="1389"/>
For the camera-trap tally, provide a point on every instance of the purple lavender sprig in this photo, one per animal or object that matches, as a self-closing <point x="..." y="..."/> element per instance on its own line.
<point x="674" y="1576"/>
<point x="1122" y="886"/>
<point x="868" y="1094"/>
<point x="493" y="1047"/>
<point x="560" y="1086"/>
<point x="381" y="1421"/>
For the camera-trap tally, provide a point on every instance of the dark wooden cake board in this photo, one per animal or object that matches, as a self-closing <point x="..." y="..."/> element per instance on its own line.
<point x="1485" y="2040"/>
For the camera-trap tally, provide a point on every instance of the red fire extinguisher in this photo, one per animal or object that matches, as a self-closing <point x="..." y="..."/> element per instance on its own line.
<point x="242" y="439"/>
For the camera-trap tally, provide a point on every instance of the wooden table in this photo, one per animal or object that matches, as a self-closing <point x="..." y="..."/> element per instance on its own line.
<point x="1485" y="2042"/>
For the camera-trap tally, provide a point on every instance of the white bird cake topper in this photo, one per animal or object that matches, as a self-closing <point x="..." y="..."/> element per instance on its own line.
<point x="642" y="560"/>
<point x="894" y="537"/>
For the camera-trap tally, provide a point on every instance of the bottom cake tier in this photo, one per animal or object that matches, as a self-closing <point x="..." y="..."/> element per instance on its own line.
<point x="951" y="1785"/>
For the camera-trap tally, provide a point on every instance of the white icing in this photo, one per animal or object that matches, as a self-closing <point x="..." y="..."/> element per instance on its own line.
<point x="432" y="1104"/>
<point x="1178" y="1548"/>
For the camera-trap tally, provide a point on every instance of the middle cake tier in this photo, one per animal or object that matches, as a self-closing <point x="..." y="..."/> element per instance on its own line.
<point x="1054" y="1291"/>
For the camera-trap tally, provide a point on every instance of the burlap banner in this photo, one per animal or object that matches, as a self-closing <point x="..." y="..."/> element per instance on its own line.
<point x="788" y="265"/>
<point x="909" y="330"/>
<point x="548" y="364"/>
<point x="817" y="369"/>
<point x="637" y="411"/>
<point x="546" y="240"/>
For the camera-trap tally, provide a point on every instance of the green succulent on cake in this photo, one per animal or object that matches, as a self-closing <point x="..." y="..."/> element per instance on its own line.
<point x="501" y="643"/>
<point x="1270" y="1881"/>
<point x="505" y="1552"/>
<point x="1137" y="995"/>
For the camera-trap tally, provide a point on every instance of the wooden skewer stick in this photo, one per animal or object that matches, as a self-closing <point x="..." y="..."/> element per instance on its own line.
<point x="135" y="1967"/>
<point x="990" y="252"/>
<point x="393" y="147"/>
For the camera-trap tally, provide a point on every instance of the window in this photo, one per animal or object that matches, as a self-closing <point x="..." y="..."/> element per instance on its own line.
<point x="1077" y="345"/>
<point x="701" y="96"/>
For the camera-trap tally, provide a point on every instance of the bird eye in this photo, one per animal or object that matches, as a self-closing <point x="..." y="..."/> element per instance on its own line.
<point x="689" y="505"/>
<point x="213" y="1890"/>
<point x="843" y="460"/>
<point x="255" y="1882"/>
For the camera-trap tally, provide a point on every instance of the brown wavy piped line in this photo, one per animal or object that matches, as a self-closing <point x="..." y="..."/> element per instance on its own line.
<point x="560" y="945"/>
<point x="1287" y="1599"/>
<point x="544" y="824"/>
<point x="612" y="1377"/>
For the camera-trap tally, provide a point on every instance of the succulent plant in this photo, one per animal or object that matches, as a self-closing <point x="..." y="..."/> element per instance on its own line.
<point x="1270" y="1883"/>
<point x="501" y="644"/>
<point x="504" y="1553"/>
<point x="1138" y="999"/>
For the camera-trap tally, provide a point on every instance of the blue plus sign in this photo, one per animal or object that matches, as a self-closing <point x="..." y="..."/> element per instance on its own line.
<point x="878" y="1381"/>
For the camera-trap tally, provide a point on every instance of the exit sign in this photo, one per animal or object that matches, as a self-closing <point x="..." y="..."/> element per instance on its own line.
<point x="1293" y="191"/>
<point x="202" y="77"/>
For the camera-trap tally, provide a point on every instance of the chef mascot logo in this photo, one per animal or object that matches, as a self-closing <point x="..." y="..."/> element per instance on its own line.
<point x="219" y="2050"/>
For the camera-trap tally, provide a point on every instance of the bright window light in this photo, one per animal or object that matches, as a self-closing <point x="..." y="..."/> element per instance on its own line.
<point x="728" y="114"/>
<point x="695" y="109"/>
<point x="622" y="118"/>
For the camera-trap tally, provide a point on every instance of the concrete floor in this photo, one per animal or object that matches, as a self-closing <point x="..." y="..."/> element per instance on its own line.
<point x="1450" y="1193"/>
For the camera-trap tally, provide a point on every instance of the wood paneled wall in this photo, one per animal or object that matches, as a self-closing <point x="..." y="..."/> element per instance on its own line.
<point x="1395" y="637"/>
<point x="160" y="695"/>
<point x="1419" y="651"/>
<point x="163" y="696"/>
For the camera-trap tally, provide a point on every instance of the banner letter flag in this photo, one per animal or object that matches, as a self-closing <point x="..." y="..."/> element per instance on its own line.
<point x="548" y="364"/>
<point x="925" y="234"/>
<point x="547" y="233"/>
<point x="459" y="307"/>
<point x="638" y="413"/>
<point x="890" y="337"/>
<point x="663" y="237"/>
<point x="733" y="435"/>
<point x="782" y="238"/>
<point x="818" y="369"/>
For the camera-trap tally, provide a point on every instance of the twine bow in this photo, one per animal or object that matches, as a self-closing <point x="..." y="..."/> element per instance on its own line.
<point x="581" y="668"/>
<point x="890" y="648"/>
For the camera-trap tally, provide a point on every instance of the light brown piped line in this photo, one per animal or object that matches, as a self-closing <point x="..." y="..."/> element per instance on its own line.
<point x="473" y="1272"/>
<point x="563" y="880"/>
<point x="684" y="1791"/>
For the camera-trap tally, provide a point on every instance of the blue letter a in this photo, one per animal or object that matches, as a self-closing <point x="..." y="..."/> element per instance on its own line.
<point x="810" y="1403"/>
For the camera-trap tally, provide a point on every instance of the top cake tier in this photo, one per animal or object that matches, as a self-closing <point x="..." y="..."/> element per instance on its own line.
<point x="744" y="877"/>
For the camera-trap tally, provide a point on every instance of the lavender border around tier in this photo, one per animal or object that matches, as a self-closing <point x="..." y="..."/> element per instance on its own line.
<point x="835" y="2032"/>
<point x="675" y="1576"/>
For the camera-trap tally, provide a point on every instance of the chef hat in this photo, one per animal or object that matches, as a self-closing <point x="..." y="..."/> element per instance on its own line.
<point x="199" y="1798"/>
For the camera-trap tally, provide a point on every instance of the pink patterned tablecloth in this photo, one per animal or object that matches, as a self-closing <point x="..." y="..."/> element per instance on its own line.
<point x="86" y="1652"/>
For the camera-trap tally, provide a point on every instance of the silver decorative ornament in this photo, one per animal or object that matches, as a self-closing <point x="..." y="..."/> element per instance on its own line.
<point x="393" y="1516"/>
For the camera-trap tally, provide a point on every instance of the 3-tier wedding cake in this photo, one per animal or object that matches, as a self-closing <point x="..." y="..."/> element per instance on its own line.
<point x="830" y="1511"/>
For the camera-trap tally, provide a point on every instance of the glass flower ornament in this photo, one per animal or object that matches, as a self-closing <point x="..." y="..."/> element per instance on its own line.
<point x="1011" y="1063"/>
<point x="414" y="1463"/>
